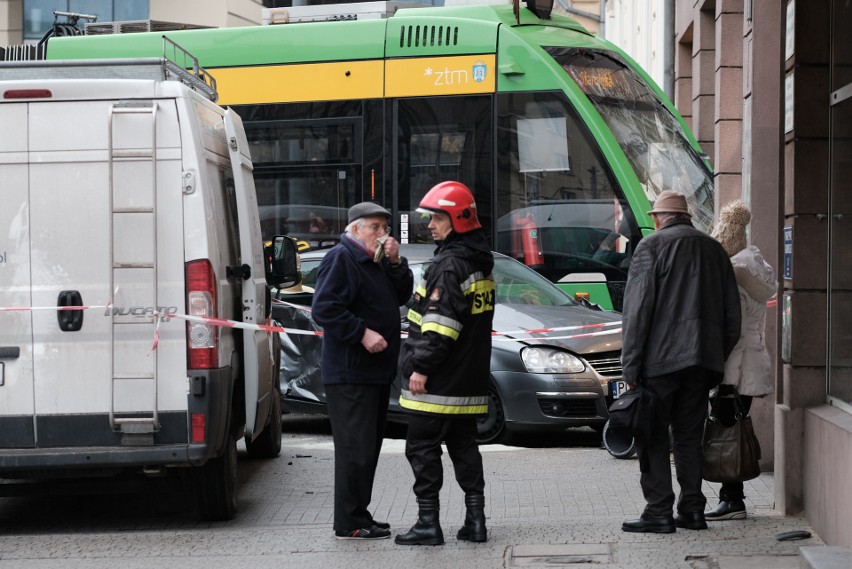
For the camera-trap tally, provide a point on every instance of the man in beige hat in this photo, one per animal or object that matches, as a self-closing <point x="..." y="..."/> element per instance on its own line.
<point x="681" y="320"/>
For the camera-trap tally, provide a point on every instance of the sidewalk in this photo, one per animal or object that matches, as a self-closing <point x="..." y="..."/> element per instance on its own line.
<point x="555" y="508"/>
<point x="546" y="508"/>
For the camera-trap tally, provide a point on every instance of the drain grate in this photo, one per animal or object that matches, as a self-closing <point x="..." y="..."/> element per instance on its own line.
<point x="560" y="555"/>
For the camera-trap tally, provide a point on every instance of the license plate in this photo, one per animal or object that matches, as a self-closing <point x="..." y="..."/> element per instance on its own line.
<point x="616" y="388"/>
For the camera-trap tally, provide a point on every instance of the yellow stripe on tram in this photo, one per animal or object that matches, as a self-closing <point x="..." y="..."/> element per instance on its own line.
<point x="301" y="82"/>
<point x="355" y="79"/>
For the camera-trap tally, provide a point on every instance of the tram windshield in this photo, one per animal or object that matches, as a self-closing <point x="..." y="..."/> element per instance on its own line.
<point x="650" y="136"/>
<point x="559" y="207"/>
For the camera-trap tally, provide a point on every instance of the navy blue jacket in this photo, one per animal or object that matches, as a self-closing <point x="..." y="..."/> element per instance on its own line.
<point x="354" y="293"/>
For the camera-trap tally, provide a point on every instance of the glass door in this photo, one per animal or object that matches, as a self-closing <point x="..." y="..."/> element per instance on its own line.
<point x="440" y="139"/>
<point x="840" y="227"/>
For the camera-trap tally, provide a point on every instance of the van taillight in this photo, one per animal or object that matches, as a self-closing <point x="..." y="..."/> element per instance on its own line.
<point x="27" y="94"/>
<point x="202" y="339"/>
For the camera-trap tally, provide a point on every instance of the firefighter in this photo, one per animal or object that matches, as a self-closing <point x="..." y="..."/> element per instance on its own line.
<point x="446" y="361"/>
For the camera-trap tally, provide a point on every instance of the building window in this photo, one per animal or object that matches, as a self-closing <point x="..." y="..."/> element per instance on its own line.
<point x="38" y="14"/>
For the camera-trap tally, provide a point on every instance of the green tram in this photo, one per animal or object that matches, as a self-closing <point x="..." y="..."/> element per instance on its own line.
<point x="564" y="140"/>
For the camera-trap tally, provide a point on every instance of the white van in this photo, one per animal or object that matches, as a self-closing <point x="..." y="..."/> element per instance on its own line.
<point x="134" y="199"/>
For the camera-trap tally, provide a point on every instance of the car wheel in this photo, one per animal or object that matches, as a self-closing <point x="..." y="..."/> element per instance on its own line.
<point x="618" y="441"/>
<point x="492" y="427"/>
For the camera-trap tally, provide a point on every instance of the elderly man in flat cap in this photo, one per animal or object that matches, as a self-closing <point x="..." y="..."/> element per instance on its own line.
<point x="681" y="320"/>
<point x="361" y="283"/>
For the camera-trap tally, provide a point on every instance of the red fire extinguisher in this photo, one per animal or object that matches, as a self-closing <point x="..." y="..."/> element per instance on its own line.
<point x="525" y="239"/>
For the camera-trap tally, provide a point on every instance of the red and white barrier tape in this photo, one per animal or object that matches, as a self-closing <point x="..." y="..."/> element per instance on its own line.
<point x="559" y="329"/>
<point x="602" y="328"/>
<point x="59" y="308"/>
<point x="165" y="316"/>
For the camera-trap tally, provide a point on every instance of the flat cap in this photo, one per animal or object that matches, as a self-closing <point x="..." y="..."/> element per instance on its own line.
<point x="367" y="209"/>
<point x="670" y="202"/>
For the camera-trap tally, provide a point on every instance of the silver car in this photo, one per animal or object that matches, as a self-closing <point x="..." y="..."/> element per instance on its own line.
<point x="554" y="363"/>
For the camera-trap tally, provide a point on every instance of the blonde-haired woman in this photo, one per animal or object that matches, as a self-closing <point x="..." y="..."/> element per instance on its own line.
<point x="748" y="367"/>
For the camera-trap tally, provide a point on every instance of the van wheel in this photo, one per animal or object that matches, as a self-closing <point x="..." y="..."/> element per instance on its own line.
<point x="268" y="442"/>
<point x="217" y="484"/>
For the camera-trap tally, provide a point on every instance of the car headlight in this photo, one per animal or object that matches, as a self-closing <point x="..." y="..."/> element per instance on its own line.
<point x="539" y="359"/>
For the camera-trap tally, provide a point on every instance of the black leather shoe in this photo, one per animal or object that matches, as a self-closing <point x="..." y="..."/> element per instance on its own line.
<point x="650" y="524"/>
<point x="381" y="525"/>
<point x="692" y="520"/>
<point x="363" y="533"/>
<point x="730" y="510"/>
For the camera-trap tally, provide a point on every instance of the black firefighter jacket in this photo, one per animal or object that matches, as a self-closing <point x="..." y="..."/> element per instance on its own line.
<point x="449" y="339"/>
<point x="681" y="304"/>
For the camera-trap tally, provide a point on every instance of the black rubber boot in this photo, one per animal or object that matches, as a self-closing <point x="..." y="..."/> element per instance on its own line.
<point x="474" y="520"/>
<point x="427" y="530"/>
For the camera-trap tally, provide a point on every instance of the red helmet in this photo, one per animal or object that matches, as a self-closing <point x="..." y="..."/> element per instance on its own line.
<point x="454" y="199"/>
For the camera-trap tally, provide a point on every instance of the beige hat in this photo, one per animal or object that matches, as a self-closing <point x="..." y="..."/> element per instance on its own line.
<point x="730" y="230"/>
<point x="670" y="202"/>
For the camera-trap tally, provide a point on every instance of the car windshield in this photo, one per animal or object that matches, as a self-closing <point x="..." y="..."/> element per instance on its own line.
<point x="515" y="284"/>
<point x="309" y="271"/>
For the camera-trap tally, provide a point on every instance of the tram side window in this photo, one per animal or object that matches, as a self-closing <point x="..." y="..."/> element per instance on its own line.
<point x="308" y="166"/>
<point x="559" y="209"/>
<point x="305" y="177"/>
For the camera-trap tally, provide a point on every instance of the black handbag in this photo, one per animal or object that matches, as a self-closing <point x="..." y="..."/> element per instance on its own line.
<point x="633" y="411"/>
<point x="730" y="454"/>
<point x="623" y="412"/>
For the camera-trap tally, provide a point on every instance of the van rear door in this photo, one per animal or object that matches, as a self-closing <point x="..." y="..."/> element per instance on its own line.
<point x="16" y="334"/>
<point x="257" y="345"/>
<point x="70" y="266"/>
<point x="105" y="198"/>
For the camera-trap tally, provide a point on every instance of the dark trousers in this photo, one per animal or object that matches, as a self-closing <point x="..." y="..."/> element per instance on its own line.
<point x="358" y="414"/>
<point x="423" y="451"/>
<point x="730" y="491"/>
<point x="680" y="401"/>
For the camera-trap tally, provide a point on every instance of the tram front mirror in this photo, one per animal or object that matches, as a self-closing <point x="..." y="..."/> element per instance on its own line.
<point x="541" y="8"/>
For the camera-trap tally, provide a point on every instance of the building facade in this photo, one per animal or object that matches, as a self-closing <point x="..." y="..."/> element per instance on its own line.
<point x="767" y="88"/>
<point x="643" y="29"/>
<point x="28" y="20"/>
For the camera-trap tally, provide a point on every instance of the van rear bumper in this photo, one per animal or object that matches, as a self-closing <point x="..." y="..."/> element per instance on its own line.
<point x="92" y="457"/>
<point x="88" y="442"/>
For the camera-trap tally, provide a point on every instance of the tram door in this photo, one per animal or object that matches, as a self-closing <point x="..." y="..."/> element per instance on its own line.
<point x="439" y="139"/>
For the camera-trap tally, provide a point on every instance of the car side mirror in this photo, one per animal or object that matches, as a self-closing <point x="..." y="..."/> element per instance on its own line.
<point x="282" y="263"/>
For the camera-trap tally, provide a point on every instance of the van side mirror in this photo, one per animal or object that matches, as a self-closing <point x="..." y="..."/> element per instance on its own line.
<point x="283" y="263"/>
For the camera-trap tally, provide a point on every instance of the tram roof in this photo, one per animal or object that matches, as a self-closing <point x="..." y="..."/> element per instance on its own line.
<point x="260" y="45"/>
